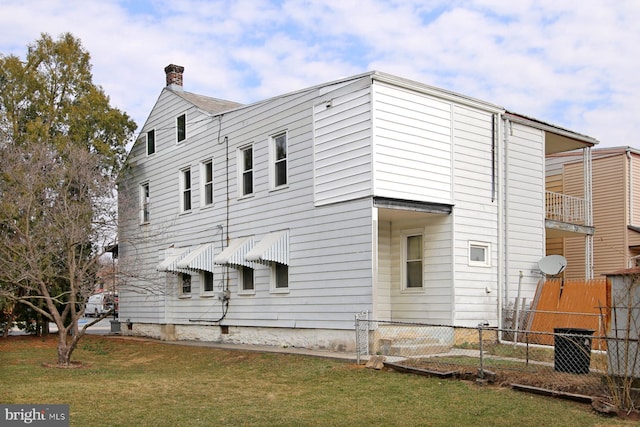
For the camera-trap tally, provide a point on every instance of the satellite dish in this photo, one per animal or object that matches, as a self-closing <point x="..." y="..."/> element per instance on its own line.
<point x="552" y="265"/>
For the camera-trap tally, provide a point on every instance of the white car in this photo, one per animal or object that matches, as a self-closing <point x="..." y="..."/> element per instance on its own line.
<point x="99" y="304"/>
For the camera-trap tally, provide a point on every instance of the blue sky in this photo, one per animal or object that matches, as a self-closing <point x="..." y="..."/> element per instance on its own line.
<point x="573" y="63"/>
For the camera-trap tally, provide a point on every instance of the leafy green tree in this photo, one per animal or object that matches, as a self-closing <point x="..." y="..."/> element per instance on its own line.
<point x="61" y="146"/>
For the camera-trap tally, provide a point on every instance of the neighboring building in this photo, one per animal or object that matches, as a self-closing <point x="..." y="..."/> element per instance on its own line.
<point x="616" y="208"/>
<point x="277" y="222"/>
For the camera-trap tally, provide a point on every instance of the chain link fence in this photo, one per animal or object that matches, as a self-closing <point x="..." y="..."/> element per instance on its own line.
<point x="555" y="352"/>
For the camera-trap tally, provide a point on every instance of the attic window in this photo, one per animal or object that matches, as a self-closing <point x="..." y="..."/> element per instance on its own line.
<point x="181" y="125"/>
<point x="151" y="142"/>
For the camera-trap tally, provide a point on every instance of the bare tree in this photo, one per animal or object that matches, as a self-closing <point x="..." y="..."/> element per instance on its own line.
<point x="61" y="146"/>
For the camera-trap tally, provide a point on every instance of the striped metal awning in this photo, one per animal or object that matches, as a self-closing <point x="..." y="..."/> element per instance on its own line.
<point x="235" y="253"/>
<point x="172" y="257"/>
<point x="199" y="259"/>
<point x="274" y="247"/>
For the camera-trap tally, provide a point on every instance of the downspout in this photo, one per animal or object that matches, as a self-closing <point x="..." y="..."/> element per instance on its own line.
<point x="630" y="260"/>
<point x="588" y="177"/>
<point x="503" y="263"/>
<point x="630" y="187"/>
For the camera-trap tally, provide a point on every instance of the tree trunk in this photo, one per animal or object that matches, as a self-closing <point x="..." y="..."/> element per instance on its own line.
<point x="66" y="345"/>
<point x="64" y="353"/>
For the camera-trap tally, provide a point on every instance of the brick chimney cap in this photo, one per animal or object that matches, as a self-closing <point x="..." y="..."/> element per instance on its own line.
<point x="173" y="68"/>
<point x="174" y="76"/>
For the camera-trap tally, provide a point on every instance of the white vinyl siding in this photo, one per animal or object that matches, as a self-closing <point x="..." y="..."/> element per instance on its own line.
<point x="328" y="247"/>
<point x="342" y="148"/>
<point x="345" y="143"/>
<point x="412" y="146"/>
<point x="524" y="208"/>
<point x="475" y="214"/>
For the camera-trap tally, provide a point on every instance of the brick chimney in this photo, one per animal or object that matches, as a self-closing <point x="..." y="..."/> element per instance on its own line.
<point x="174" y="76"/>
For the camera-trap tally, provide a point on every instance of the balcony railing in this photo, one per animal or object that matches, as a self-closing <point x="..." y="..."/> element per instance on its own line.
<point x="560" y="207"/>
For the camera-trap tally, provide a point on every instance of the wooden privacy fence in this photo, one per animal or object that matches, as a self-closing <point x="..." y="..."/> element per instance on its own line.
<point x="576" y="304"/>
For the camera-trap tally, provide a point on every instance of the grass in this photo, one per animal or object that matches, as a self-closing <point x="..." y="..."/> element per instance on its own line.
<point x="127" y="382"/>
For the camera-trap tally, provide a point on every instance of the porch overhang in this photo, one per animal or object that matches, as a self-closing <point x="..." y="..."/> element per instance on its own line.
<point x="412" y="205"/>
<point x="557" y="139"/>
<point x="566" y="229"/>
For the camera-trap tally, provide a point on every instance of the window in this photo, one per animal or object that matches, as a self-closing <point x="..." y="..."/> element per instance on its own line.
<point x="413" y="253"/>
<point x="246" y="279"/>
<point x="206" y="174"/>
<point x="207" y="281"/>
<point x="151" y="142"/>
<point x="279" y="157"/>
<point x="279" y="277"/>
<point x="144" y="203"/>
<point x="479" y="254"/>
<point x="181" y="126"/>
<point x="185" y="190"/>
<point x="185" y="282"/>
<point x="246" y="170"/>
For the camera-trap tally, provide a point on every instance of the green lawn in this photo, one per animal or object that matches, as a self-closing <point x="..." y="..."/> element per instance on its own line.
<point x="126" y="382"/>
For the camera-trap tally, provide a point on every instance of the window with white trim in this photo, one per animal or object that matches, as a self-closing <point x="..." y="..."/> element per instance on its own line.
<point x="181" y="128"/>
<point x="412" y="254"/>
<point x="144" y="203"/>
<point x="207" y="281"/>
<point x="185" y="284"/>
<point x="245" y="160"/>
<point x="206" y="179"/>
<point x="151" y="142"/>
<point x="246" y="280"/>
<point x="185" y="190"/>
<point x="479" y="254"/>
<point x="279" y="277"/>
<point x="278" y="153"/>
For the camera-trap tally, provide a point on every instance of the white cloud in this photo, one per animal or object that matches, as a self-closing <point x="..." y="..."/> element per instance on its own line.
<point x="572" y="62"/>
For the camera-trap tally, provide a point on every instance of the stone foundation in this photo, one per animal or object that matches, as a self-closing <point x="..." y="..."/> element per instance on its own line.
<point x="316" y="339"/>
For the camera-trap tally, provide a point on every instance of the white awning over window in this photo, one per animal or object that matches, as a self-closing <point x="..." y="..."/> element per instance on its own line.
<point x="235" y="253"/>
<point x="274" y="247"/>
<point x="199" y="259"/>
<point x="170" y="262"/>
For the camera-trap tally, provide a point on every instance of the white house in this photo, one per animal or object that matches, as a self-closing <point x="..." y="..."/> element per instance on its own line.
<point x="276" y="222"/>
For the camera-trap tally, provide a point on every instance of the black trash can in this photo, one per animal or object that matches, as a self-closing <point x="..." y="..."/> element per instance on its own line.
<point x="572" y="351"/>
